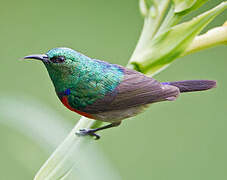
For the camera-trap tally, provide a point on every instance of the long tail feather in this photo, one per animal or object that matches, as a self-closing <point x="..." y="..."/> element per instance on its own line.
<point x="193" y="85"/>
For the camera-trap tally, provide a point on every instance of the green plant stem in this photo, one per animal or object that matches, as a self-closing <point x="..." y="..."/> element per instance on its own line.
<point x="52" y="168"/>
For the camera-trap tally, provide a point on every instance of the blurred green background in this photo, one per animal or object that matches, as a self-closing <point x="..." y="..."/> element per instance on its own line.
<point x="180" y="140"/>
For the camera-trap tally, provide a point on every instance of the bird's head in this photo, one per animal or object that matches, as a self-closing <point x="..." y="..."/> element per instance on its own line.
<point x="60" y="60"/>
<point x="57" y="57"/>
<point x="63" y="64"/>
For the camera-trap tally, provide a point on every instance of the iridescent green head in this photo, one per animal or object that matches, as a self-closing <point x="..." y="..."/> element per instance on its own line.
<point x="57" y="57"/>
<point x="63" y="64"/>
<point x="60" y="60"/>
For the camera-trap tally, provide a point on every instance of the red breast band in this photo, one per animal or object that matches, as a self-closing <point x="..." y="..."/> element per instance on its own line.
<point x="65" y="101"/>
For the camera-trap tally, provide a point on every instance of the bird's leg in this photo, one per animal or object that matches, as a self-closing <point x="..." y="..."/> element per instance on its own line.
<point x="92" y="132"/>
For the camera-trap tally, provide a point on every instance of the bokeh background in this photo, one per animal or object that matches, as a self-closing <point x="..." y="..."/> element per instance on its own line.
<point x="185" y="139"/>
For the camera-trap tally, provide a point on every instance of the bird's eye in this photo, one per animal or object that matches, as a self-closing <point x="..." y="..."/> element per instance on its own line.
<point x="57" y="59"/>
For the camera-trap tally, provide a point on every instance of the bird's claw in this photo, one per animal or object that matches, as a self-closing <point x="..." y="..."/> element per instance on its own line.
<point x="85" y="132"/>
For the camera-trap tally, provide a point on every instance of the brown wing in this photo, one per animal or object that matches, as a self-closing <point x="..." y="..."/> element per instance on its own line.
<point x="135" y="89"/>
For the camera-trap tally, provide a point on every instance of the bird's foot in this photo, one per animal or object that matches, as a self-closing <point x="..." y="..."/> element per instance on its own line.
<point x="90" y="132"/>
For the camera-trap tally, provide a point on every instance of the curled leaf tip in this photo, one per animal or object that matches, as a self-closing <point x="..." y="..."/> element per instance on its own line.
<point x="143" y="8"/>
<point x="182" y="5"/>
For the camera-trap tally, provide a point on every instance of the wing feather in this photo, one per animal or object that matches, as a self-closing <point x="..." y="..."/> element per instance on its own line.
<point x="136" y="89"/>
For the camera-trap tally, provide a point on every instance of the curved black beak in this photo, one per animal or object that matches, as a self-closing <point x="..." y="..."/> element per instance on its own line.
<point x="42" y="57"/>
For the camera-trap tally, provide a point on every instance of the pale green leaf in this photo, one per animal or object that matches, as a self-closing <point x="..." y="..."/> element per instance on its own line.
<point x="214" y="37"/>
<point x="169" y="45"/>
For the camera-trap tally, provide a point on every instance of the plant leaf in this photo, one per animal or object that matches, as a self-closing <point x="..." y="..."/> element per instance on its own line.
<point x="214" y="37"/>
<point x="169" y="45"/>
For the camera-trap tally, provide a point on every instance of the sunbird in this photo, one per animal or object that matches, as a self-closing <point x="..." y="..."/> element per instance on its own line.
<point x="107" y="92"/>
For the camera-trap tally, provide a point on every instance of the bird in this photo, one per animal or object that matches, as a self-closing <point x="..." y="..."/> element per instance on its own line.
<point x="107" y="92"/>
